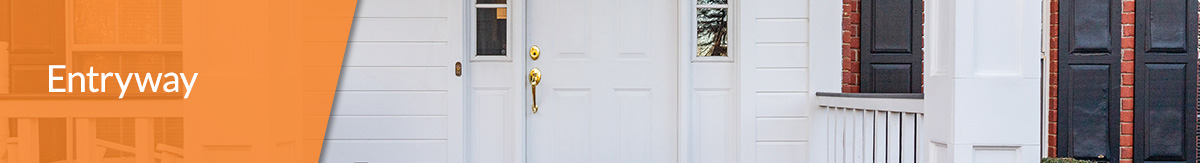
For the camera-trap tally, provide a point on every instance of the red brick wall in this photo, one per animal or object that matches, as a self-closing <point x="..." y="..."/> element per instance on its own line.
<point x="1127" y="54"/>
<point x="1052" y="138"/>
<point x="850" y="46"/>
<point x="1127" y="42"/>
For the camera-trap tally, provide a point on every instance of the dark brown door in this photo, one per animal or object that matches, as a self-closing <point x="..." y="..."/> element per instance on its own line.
<point x="1165" y="82"/>
<point x="891" y="41"/>
<point x="1089" y="79"/>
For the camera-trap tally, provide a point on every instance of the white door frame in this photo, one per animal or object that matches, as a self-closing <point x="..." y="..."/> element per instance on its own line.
<point x="684" y="71"/>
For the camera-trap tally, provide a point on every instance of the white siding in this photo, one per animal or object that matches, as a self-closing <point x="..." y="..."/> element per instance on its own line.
<point x="789" y="51"/>
<point x="769" y="35"/>
<point x="397" y="98"/>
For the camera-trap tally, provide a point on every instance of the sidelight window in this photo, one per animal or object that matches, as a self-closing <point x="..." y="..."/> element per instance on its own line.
<point x="712" y="28"/>
<point x="491" y="27"/>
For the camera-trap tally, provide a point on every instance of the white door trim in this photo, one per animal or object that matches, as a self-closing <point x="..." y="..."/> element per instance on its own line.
<point x="517" y="42"/>
<point x="687" y="30"/>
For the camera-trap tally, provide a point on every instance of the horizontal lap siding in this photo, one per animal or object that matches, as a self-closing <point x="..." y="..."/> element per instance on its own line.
<point x="392" y="103"/>
<point x="777" y="34"/>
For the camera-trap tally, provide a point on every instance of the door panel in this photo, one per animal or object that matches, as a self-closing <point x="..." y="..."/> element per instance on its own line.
<point x="1164" y="86"/>
<point x="891" y="30"/>
<point x="608" y="88"/>
<point x="1089" y="75"/>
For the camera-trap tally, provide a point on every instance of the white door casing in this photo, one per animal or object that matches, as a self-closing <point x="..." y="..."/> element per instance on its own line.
<point x="609" y="73"/>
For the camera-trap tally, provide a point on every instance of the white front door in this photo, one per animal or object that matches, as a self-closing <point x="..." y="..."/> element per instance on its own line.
<point x="608" y="88"/>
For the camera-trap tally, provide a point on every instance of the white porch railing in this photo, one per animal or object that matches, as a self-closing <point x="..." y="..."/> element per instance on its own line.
<point x="871" y="127"/>
<point x="87" y="148"/>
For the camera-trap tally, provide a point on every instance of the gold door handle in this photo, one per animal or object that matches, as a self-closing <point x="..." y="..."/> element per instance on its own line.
<point x="535" y="76"/>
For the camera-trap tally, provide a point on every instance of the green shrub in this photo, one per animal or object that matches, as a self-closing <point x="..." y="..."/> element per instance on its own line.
<point x="1064" y="160"/>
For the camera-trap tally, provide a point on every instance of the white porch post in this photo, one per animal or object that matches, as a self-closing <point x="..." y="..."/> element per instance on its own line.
<point x="982" y="80"/>
<point x="85" y="141"/>
<point x="27" y="141"/>
<point x="4" y="137"/>
<point x="143" y="129"/>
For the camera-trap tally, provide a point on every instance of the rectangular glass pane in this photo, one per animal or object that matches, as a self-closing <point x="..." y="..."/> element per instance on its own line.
<point x="490" y="31"/>
<point x="712" y="2"/>
<point x="711" y="32"/>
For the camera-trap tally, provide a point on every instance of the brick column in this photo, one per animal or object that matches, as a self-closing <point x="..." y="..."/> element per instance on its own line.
<point x="850" y="45"/>
<point x="1127" y="67"/>
<point x="1052" y="138"/>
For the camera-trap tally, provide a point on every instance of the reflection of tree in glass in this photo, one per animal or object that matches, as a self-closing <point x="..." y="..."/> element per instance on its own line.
<point x="711" y="29"/>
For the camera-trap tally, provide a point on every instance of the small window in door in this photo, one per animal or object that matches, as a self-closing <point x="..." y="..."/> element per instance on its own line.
<point x="491" y="27"/>
<point x="712" y="26"/>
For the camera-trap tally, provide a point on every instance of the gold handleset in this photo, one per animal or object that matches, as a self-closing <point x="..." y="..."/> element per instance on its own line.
<point x="535" y="76"/>
<point x="534" y="52"/>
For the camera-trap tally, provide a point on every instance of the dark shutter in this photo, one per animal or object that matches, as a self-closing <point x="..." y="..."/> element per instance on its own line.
<point x="891" y="41"/>
<point x="1164" y="86"/>
<point x="1089" y="79"/>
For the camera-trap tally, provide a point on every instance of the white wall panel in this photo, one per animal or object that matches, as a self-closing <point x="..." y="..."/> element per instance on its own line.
<point x="775" y="78"/>
<point x="402" y="8"/>
<point x="781" y="54"/>
<point x="394" y="78"/>
<point x="398" y="99"/>
<point x="384" y="151"/>
<point x="397" y="54"/>
<point x="380" y="103"/>
<point x="403" y="29"/>
<point x="775" y="30"/>
<point x="782" y="151"/>
<point x="386" y="127"/>
<point x="782" y="9"/>
<point x="783" y="129"/>
<point x="781" y="79"/>
<point x="782" y="104"/>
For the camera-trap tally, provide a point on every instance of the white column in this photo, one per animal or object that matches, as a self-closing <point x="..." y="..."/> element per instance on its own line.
<point x="983" y="80"/>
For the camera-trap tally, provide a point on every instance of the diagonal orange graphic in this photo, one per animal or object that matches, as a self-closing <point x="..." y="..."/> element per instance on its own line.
<point x="261" y="72"/>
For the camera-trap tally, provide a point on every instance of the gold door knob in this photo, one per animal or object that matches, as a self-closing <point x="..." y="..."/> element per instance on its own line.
<point x="535" y="77"/>
<point x="534" y="52"/>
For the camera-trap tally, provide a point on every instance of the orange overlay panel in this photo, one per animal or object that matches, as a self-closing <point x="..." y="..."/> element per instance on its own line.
<point x="166" y="81"/>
